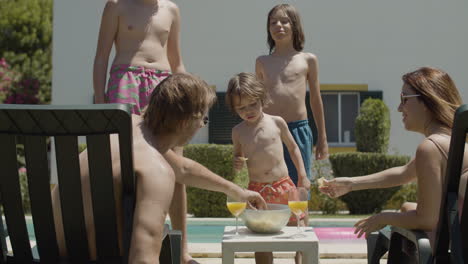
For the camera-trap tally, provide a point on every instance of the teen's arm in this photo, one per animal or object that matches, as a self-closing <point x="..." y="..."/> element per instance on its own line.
<point x="107" y="33"/>
<point x="173" y="44"/>
<point x="259" y="69"/>
<point x="294" y="152"/>
<point x="321" y="150"/>
<point x="196" y="175"/>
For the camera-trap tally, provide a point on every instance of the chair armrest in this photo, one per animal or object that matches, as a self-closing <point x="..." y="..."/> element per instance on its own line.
<point x="377" y="245"/>
<point x="412" y="234"/>
<point x="171" y="246"/>
<point x="418" y="237"/>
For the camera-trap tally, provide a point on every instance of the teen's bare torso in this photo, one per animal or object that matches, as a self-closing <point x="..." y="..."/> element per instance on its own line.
<point x="143" y="34"/>
<point x="286" y="81"/>
<point x="263" y="147"/>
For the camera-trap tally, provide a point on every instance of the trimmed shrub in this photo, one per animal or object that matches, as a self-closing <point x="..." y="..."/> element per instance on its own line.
<point x="372" y="127"/>
<point x="355" y="164"/>
<point x="318" y="200"/>
<point x="218" y="159"/>
<point x="407" y="193"/>
<point x="321" y="202"/>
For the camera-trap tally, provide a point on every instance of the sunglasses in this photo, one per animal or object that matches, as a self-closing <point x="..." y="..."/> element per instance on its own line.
<point x="404" y="97"/>
<point x="205" y="120"/>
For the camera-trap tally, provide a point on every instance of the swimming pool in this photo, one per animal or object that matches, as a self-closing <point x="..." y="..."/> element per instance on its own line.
<point x="210" y="230"/>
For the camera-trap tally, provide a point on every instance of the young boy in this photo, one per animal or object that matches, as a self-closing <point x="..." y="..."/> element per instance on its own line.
<point x="258" y="140"/>
<point x="286" y="72"/>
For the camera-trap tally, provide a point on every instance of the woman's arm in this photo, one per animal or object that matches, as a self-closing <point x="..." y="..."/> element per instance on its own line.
<point x="428" y="165"/>
<point x="388" y="178"/>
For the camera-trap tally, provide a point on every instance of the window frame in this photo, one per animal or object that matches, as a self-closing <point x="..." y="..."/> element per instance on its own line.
<point x="340" y="142"/>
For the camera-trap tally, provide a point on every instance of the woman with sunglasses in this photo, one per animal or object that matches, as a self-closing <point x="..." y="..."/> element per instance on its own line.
<point x="429" y="99"/>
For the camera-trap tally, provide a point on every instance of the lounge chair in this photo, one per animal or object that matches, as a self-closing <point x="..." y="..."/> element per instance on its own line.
<point x="451" y="244"/>
<point x="33" y="126"/>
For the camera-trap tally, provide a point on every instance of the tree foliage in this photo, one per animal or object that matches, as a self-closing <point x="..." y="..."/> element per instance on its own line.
<point x="26" y="43"/>
<point x="372" y="128"/>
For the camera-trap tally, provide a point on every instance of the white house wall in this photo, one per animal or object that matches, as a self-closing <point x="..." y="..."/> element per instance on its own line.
<point x="357" y="41"/>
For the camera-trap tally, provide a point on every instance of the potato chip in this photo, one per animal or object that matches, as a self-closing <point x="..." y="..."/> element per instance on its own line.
<point x="321" y="182"/>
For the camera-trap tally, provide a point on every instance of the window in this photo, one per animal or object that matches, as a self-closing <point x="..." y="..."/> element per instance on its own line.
<point x="341" y="107"/>
<point x="340" y="110"/>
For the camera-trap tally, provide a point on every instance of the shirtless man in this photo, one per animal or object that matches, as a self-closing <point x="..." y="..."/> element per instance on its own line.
<point x="286" y="72"/>
<point x="146" y="38"/>
<point x="258" y="140"/>
<point x="153" y="137"/>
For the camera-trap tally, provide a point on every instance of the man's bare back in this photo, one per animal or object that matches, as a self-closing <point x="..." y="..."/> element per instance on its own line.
<point x="149" y="159"/>
<point x="286" y="80"/>
<point x="262" y="145"/>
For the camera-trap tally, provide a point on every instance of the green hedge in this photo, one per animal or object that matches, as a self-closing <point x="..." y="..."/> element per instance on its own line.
<point x="407" y="193"/>
<point x="356" y="164"/>
<point x="372" y="127"/>
<point x="217" y="158"/>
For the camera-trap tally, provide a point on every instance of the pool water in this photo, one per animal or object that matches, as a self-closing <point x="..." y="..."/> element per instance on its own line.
<point x="211" y="231"/>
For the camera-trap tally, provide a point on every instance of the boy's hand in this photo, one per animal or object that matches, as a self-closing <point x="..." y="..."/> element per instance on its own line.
<point x="321" y="150"/>
<point x="238" y="162"/>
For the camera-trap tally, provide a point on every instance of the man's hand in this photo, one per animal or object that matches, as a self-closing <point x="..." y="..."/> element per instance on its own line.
<point x="336" y="187"/>
<point x="254" y="199"/>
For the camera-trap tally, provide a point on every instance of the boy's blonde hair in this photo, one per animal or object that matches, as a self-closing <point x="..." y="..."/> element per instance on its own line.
<point x="177" y="99"/>
<point x="246" y="84"/>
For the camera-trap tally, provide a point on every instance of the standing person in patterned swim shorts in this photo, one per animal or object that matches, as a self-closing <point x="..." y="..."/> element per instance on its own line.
<point x="146" y="38"/>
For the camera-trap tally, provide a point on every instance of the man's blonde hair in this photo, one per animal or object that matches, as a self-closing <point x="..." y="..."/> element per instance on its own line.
<point x="177" y="99"/>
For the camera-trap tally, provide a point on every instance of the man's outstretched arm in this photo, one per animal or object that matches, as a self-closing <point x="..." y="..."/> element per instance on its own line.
<point x="196" y="175"/>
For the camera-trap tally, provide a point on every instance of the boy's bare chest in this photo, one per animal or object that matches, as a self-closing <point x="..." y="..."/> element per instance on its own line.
<point x="146" y="23"/>
<point x="286" y="70"/>
<point x="260" y="137"/>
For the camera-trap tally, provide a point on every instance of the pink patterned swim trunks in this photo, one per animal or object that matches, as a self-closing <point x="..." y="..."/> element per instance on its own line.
<point x="133" y="85"/>
<point x="276" y="192"/>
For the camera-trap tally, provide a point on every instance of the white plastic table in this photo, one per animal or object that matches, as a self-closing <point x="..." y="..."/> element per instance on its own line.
<point x="247" y="241"/>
